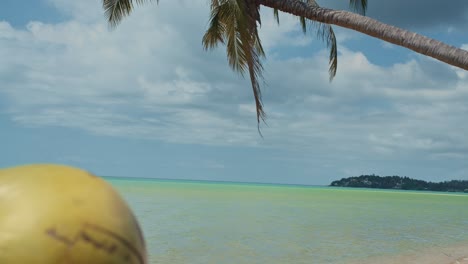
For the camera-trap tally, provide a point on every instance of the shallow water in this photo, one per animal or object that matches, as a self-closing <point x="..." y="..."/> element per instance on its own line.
<point x="196" y="222"/>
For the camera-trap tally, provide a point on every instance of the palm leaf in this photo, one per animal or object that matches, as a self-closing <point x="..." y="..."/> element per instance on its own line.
<point x="116" y="10"/>
<point x="234" y="23"/>
<point x="215" y="33"/>
<point x="326" y="33"/>
<point x="253" y="50"/>
<point x="276" y="15"/>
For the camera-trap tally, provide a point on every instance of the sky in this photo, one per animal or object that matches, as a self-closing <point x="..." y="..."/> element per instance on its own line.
<point x="145" y="100"/>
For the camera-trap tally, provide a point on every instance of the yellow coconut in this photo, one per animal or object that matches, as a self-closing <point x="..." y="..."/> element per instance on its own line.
<point x="53" y="214"/>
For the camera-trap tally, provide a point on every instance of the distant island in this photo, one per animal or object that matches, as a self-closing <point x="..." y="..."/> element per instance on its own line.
<point x="402" y="183"/>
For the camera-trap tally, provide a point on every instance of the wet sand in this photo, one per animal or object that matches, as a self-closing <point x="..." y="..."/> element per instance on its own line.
<point x="463" y="260"/>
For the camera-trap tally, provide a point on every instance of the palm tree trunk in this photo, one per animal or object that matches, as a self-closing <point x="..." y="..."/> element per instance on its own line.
<point x="413" y="41"/>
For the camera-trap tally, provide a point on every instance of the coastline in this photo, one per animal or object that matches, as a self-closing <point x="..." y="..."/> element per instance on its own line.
<point x="457" y="254"/>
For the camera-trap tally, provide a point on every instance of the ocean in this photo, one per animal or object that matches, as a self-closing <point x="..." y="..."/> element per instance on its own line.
<point x="213" y="222"/>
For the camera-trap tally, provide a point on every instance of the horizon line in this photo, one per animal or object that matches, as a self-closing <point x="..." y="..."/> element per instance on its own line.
<point x="216" y="181"/>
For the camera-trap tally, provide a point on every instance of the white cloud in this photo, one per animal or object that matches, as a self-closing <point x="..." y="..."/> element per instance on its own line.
<point x="179" y="91"/>
<point x="150" y="78"/>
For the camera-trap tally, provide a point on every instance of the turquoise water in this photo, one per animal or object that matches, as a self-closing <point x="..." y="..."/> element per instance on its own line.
<point x="196" y="222"/>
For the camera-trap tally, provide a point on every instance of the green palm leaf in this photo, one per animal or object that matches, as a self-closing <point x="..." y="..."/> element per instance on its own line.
<point x="326" y="33"/>
<point x="116" y="10"/>
<point x="276" y="15"/>
<point x="234" y="23"/>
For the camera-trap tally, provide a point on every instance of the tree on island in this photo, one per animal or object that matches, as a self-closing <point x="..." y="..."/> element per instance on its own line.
<point x="403" y="183"/>
<point x="235" y="23"/>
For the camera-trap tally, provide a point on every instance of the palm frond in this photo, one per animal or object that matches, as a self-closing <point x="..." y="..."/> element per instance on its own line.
<point x="359" y="6"/>
<point x="215" y="33"/>
<point x="234" y="23"/>
<point x="237" y="57"/>
<point x="276" y="15"/>
<point x="253" y="50"/>
<point x="326" y="33"/>
<point x="258" y="46"/>
<point x="302" y="21"/>
<point x="116" y="10"/>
